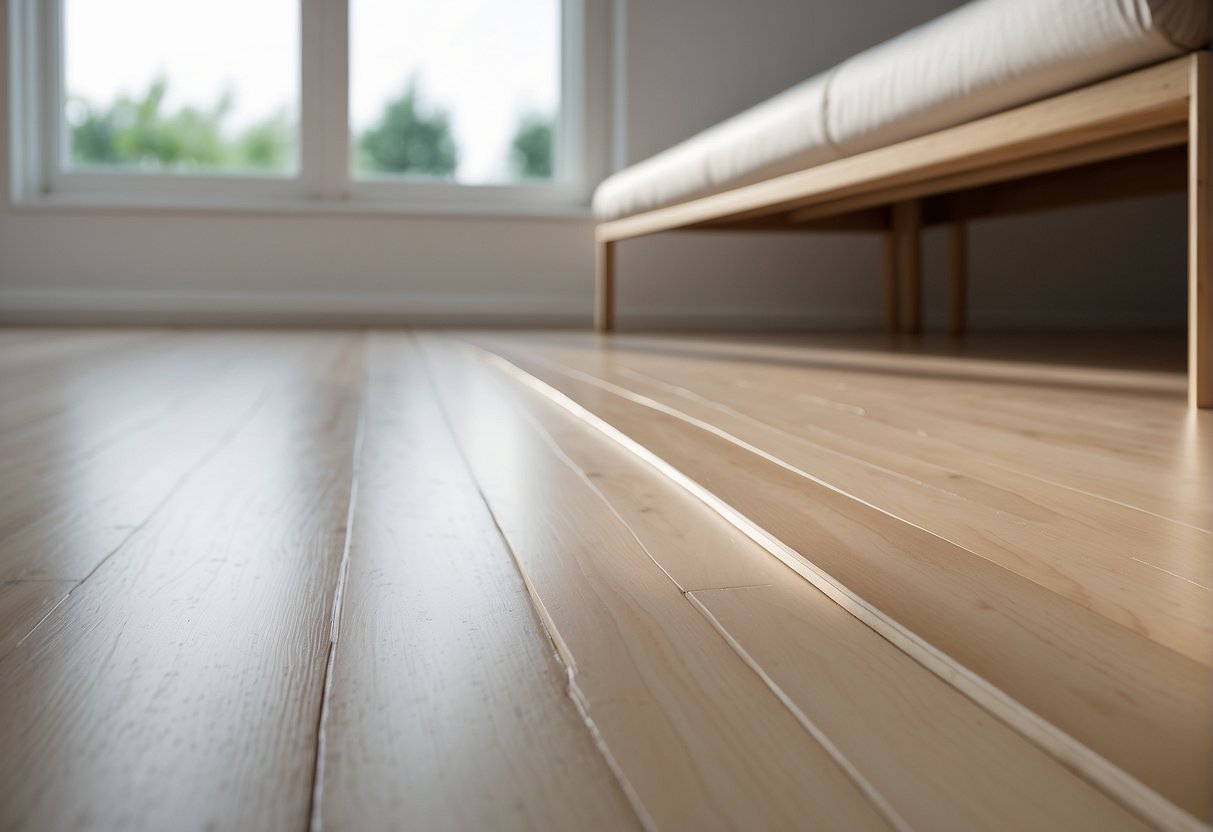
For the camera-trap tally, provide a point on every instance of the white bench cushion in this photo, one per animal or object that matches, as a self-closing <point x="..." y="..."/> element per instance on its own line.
<point x="780" y="135"/>
<point x="993" y="55"/>
<point x="982" y="58"/>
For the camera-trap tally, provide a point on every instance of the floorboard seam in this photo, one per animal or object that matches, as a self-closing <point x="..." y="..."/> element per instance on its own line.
<point x="673" y="412"/>
<point x="563" y="654"/>
<point x="315" y="821"/>
<point x="852" y="772"/>
<point x="1106" y="776"/>
<point x="223" y="442"/>
<point x="723" y="588"/>
<point x="866" y="786"/>
<point x="878" y="801"/>
<point x="645" y="401"/>
<point x="16" y="581"/>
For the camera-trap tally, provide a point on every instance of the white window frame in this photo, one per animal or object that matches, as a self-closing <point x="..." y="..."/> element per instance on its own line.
<point x="323" y="180"/>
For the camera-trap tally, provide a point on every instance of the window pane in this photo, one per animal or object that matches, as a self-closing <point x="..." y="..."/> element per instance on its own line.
<point x="462" y="90"/>
<point x="187" y="86"/>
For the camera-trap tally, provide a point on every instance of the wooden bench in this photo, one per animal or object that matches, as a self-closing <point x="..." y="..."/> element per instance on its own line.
<point x="1142" y="133"/>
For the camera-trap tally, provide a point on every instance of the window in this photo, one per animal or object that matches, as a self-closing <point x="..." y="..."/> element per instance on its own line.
<point x="175" y="88"/>
<point x="472" y="105"/>
<point x="465" y="90"/>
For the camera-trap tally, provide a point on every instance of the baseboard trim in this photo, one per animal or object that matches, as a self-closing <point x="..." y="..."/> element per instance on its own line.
<point x="235" y="308"/>
<point x="124" y="307"/>
<point x="228" y="308"/>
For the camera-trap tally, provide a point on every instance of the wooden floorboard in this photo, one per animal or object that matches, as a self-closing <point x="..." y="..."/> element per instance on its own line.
<point x="125" y="377"/>
<point x="701" y="741"/>
<point x="23" y="604"/>
<point x="1134" y="568"/>
<point x="942" y="761"/>
<point x="448" y="708"/>
<point x="939" y="760"/>
<point x="351" y="580"/>
<point x="1143" y="707"/>
<point x="1164" y="470"/>
<point x="179" y="686"/>
<point x="106" y="446"/>
<point x="694" y="546"/>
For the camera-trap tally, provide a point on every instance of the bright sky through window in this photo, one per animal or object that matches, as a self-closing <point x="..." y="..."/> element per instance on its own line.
<point x="489" y="64"/>
<point x="491" y="68"/>
<point x="203" y="50"/>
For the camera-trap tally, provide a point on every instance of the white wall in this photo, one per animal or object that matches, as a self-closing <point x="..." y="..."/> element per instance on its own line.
<point x="694" y="62"/>
<point x="689" y="64"/>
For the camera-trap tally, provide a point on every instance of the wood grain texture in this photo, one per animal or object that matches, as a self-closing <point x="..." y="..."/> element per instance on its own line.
<point x="1136" y="569"/>
<point x="50" y="387"/>
<point x="1200" y="233"/>
<point x="1141" y="706"/>
<point x="861" y="221"/>
<point x="942" y="761"/>
<point x="23" y="604"/>
<point x="984" y="191"/>
<point x="1151" y="173"/>
<point x="201" y="484"/>
<point x="694" y="546"/>
<point x="448" y="708"/>
<point x="93" y="449"/>
<point x="1117" y="462"/>
<point x="1115" y="435"/>
<point x="179" y="686"/>
<point x="700" y="740"/>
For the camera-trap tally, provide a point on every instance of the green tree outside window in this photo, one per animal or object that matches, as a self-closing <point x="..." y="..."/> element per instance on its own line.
<point x="139" y="132"/>
<point x="408" y="138"/>
<point x="531" y="149"/>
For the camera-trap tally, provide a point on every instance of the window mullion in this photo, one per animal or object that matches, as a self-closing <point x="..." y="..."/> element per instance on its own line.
<point x="54" y="144"/>
<point x="25" y="91"/>
<point x="569" y="118"/>
<point x="324" y="105"/>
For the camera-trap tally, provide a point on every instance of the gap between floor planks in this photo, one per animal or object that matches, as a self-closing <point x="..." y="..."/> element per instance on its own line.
<point x="702" y="582"/>
<point x="24" y="604"/>
<point x="980" y="774"/>
<point x="1082" y="548"/>
<point x="909" y="404"/>
<point x="433" y="610"/>
<point x="1125" y="746"/>
<point x="699" y="738"/>
<point x="843" y="379"/>
<point x="223" y="587"/>
<point x="299" y="360"/>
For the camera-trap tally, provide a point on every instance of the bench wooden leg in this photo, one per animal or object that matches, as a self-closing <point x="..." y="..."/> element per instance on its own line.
<point x="1200" y="236"/>
<point x="958" y="278"/>
<point x="604" y="285"/>
<point x="907" y="229"/>
<point x="889" y="293"/>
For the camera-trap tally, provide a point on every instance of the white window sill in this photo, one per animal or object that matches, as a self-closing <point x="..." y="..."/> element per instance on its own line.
<point x="183" y="204"/>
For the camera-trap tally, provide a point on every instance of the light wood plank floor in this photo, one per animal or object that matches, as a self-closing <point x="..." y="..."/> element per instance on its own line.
<point x="372" y="580"/>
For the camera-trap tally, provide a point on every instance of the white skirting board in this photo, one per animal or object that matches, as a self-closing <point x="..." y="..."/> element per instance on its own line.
<point x="219" y="308"/>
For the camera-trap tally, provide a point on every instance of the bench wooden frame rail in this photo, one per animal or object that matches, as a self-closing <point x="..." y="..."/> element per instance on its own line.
<point x="1141" y="133"/>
